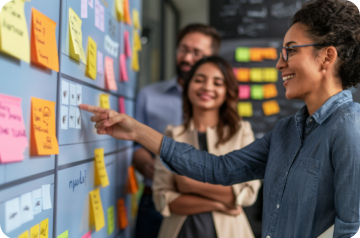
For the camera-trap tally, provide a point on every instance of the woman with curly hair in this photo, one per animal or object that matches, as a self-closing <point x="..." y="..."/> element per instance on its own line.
<point x="310" y="162"/>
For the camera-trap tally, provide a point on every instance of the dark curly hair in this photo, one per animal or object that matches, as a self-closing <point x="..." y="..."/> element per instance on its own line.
<point x="335" y="23"/>
<point x="228" y="115"/>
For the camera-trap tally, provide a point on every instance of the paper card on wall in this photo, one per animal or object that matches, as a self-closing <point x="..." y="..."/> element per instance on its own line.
<point x="91" y="58"/>
<point x="76" y="47"/>
<point x="132" y="181"/>
<point x="256" y="75"/>
<point x="44" y="228"/>
<point x="65" y="92"/>
<point x="72" y="117"/>
<point x="135" y="60"/>
<point x="256" y="54"/>
<point x="111" y="220"/>
<point x="73" y="93"/>
<point x="65" y="234"/>
<point x="245" y="109"/>
<point x="242" y="54"/>
<point x="137" y="40"/>
<point x="78" y="94"/>
<point x="34" y="231"/>
<point x="102" y="18"/>
<point x="78" y="118"/>
<point x="84" y="9"/>
<point x="123" y="68"/>
<point x="120" y="10"/>
<point x="122" y="214"/>
<point x="46" y="196"/>
<point x="91" y="3"/>
<point x="243" y="74"/>
<point x="111" y="46"/>
<point x="134" y="205"/>
<point x="127" y="12"/>
<point x="270" y="75"/>
<point x="96" y="210"/>
<point x="43" y="41"/>
<point x="43" y="129"/>
<point x="101" y="177"/>
<point x="12" y="215"/>
<point x="26" y="209"/>
<point x="12" y="130"/>
<point x="97" y="14"/>
<point x="257" y="92"/>
<point x="109" y="74"/>
<point x="270" y="53"/>
<point x="244" y="91"/>
<point x="13" y="31"/>
<point x="25" y="234"/>
<point x="87" y="235"/>
<point x="100" y="63"/>
<point x="36" y="201"/>
<point x="271" y="107"/>
<point x="122" y="108"/>
<point x="127" y="47"/>
<point x="270" y="91"/>
<point x="235" y="70"/>
<point x="136" y="19"/>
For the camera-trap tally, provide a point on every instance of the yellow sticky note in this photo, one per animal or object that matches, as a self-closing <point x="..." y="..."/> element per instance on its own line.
<point x="136" y="18"/>
<point x="104" y="101"/>
<point x="256" y="75"/>
<point x="34" y="231"/>
<point x="96" y="210"/>
<point x="14" y="39"/>
<point x="65" y="234"/>
<point x="135" y="61"/>
<point x="120" y="10"/>
<point x="137" y="40"/>
<point x="43" y="41"/>
<point x="271" y="107"/>
<point x="245" y="109"/>
<point x="91" y="59"/>
<point x="43" y="130"/>
<point x="24" y="235"/>
<point x="44" y="228"/>
<point x="270" y="91"/>
<point x="243" y="74"/>
<point x="134" y="205"/>
<point x="101" y="176"/>
<point x="76" y="48"/>
<point x="270" y="75"/>
<point x="111" y="220"/>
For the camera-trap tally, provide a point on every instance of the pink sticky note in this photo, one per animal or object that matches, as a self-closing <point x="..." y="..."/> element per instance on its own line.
<point x="127" y="44"/>
<point x="97" y="14"/>
<point x="109" y="73"/>
<point x="122" y="105"/>
<point x="84" y="9"/>
<point x="244" y="92"/>
<point x="87" y="235"/>
<point x="102" y="18"/>
<point x="12" y="130"/>
<point x="235" y="71"/>
<point x="91" y="3"/>
<point x="100" y="63"/>
<point x="123" y="70"/>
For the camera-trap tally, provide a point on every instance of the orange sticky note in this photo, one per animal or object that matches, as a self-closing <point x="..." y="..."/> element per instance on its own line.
<point x="122" y="214"/>
<point x="123" y="70"/>
<point x="109" y="74"/>
<point x="97" y="217"/>
<point x="245" y="109"/>
<point x="127" y="15"/>
<point x="270" y="53"/>
<point x="43" y="131"/>
<point x="132" y="181"/>
<point x="43" y="41"/>
<point x="127" y="46"/>
<point x="271" y="107"/>
<point x="243" y="74"/>
<point x="270" y="91"/>
<point x="256" y="54"/>
<point x="101" y="177"/>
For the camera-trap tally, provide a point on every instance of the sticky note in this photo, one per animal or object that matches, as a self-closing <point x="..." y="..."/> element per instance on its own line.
<point x="102" y="18"/>
<point x="26" y="209"/>
<point x="123" y="69"/>
<point x="104" y="101"/>
<point x="77" y="118"/>
<point x="91" y="59"/>
<point x="122" y="214"/>
<point x="270" y="91"/>
<point x="101" y="177"/>
<point x="13" y="31"/>
<point x="87" y="235"/>
<point x="84" y="9"/>
<point x="109" y="74"/>
<point x="271" y="107"/>
<point x="134" y="205"/>
<point x="270" y="53"/>
<point x="12" y="215"/>
<point x="45" y="190"/>
<point x="243" y="75"/>
<point x="78" y="94"/>
<point x="132" y="181"/>
<point x="120" y="10"/>
<point x="136" y="19"/>
<point x="24" y="235"/>
<point x="242" y="54"/>
<point x="127" y="47"/>
<point x="257" y="92"/>
<point x="244" y="91"/>
<point x="12" y="130"/>
<point x="111" y="220"/>
<point x="111" y="46"/>
<point x="135" y="60"/>
<point x="127" y="12"/>
<point x="65" y="92"/>
<point x="245" y="109"/>
<point x="43" y="41"/>
<point x="65" y="234"/>
<point x="256" y="75"/>
<point x="72" y="95"/>
<point x="91" y="3"/>
<point x="235" y="70"/>
<point x="37" y="201"/>
<point x="256" y="54"/>
<point x="34" y="231"/>
<point x="76" y="48"/>
<point x="43" y="134"/>
<point x="122" y="108"/>
<point x="97" y="14"/>
<point x="44" y="228"/>
<point x="72" y="117"/>
<point x="270" y="75"/>
<point x="96" y="210"/>
<point x="100" y="63"/>
<point x="137" y="40"/>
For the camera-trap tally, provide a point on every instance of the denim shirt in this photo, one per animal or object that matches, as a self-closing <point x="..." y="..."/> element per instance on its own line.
<point x="310" y="167"/>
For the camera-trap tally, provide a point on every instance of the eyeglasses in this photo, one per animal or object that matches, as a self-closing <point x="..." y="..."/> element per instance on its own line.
<point x="285" y="50"/>
<point x="195" y="54"/>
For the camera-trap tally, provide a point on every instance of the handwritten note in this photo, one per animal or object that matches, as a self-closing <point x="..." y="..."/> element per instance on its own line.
<point x="256" y="75"/>
<point x="12" y="215"/>
<point x="242" y="54"/>
<point x="12" y="130"/>
<point x="78" y="94"/>
<point x="111" y="46"/>
<point x="111" y="220"/>
<point x="245" y="109"/>
<point x="137" y="40"/>
<point x="132" y="181"/>
<point x="271" y="107"/>
<point x="77" y="118"/>
<point x="122" y="214"/>
<point x="101" y="177"/>
<point x="43" y="41"/>
<point x="270" y="91"/>
<point x="76" y="48"/>
<point x="136" y="18"/>
<point x="44" y="228"/>
<point x="26" y="208"/>
<point x="127" y="47"/>
<point x="270" y="75"/>
<point x="87" y="235"/>
<point x="91" y="3"/>
<point x="244" y="91"/>
<point x="97" y="213"/>
<point x="24" y="235"/>
<point x="72" y="117"/>
<point x="65" y="234"/>
<point x="256" y="54"/>
<point x="34" y="231"/>
<point x="102" y="18"/>
<point x="65" y="92"/>
<point x="14" y="33"/>
<point x="45" y="189"/>
<point x="100" y="63"/>
<point x="91" y="59"/>
<point x="120" y="10"/>
<point x="43" y="134"/>
<point x="109" y="74"/>
<point x="127" y="12"/>
<point x="123" y="69"/>
<point x="37" y="201"/>
<point x="97" y="14"/>
<point x="243" y="74"/>
<point x="73" y="92"/>
<point x="122" y="108"/>
<point x="84" y="9"/>
<point x="257" y="92"/>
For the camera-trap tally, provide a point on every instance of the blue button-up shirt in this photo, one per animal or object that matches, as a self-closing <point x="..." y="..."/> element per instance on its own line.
<point x="310" y="167"/>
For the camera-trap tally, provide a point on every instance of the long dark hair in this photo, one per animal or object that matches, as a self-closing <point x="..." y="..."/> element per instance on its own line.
<point x="228" y="115"/>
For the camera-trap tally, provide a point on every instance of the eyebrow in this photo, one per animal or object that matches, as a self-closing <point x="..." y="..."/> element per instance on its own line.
<point x="204" y="76"/>
<point x="289" y="43"/>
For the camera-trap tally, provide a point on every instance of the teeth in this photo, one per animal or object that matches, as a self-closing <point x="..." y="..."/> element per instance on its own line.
<point x="288" y="77"/>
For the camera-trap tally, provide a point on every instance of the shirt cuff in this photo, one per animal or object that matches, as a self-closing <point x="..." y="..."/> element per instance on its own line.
<point x="166" y="153"/>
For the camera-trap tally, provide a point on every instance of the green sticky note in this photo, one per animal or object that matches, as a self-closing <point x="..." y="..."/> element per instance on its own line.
<point x="111" y="221"/>
<point x="65" y="234"/>
<point x="257" y="92"/>
<point x="256" y="75"/>
<point x="242" y="54"/>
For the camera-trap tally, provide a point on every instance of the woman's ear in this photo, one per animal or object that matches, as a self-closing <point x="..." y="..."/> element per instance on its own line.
<point x="329" y="57"/>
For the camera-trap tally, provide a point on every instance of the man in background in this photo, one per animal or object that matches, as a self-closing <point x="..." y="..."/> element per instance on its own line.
<point x="160" y="105"/>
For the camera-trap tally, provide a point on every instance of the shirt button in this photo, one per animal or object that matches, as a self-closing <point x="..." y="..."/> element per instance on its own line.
<point x="310" y="120"/>
<point x="268" y="237"/>
<point x="277" y="206"/>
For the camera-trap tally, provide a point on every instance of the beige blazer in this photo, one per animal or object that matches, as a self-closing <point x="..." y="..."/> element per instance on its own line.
<point x="164" y="188"/>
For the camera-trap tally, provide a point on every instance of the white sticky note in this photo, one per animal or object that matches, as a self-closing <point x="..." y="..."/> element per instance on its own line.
<point x="37" y="201"/>
<point x="26" y="208"/>
<point x="84" y="9"/>
<point x="46" y="196"/>
<point x="100" y="63"/>
<point x="12" y="215"/>
<point x="78" y="118"/>
<point x="64" y="118"/>
<point x="72" y="117"/>
<point x="72" y="94"/>
<point x="97" y="14"/>
<point x="111" y="46"/>
<point x="65" y="92"/>
<point x="91" y="3"/>
<point x="102" y="18"/>
<point x="78" y="94"/>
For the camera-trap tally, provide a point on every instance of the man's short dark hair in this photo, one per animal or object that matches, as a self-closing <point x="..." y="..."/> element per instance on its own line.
<point x="204" y="29"/>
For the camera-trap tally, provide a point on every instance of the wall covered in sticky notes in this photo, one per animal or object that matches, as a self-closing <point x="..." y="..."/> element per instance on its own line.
<point x="47" y="144"/>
